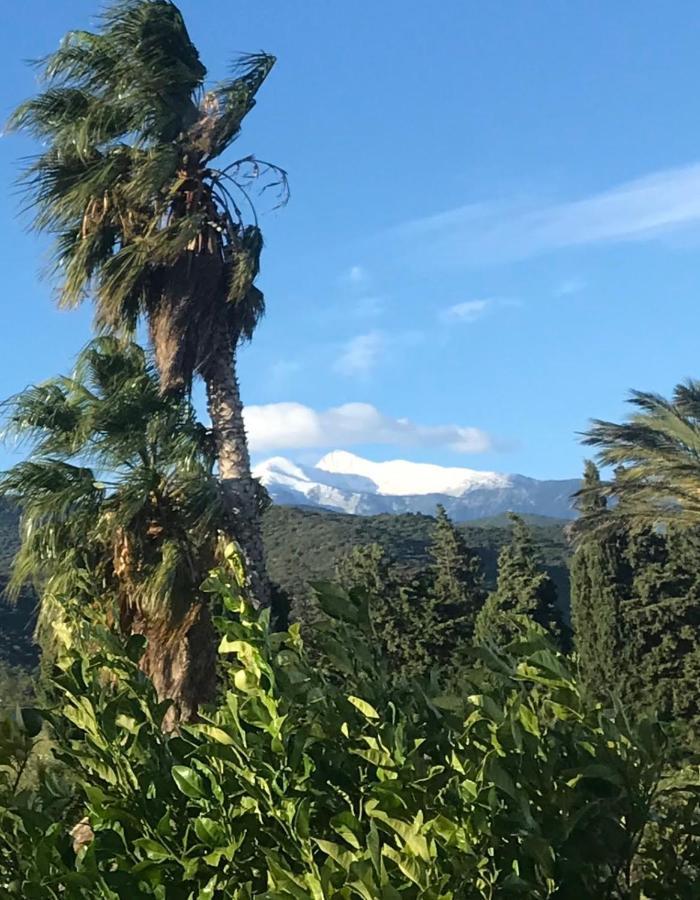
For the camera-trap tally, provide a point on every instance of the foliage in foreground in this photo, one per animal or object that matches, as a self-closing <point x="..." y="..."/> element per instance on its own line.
<point x="295" y="788"/>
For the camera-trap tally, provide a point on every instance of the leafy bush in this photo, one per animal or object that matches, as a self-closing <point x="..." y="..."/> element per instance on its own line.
<point x="330" y="782"/>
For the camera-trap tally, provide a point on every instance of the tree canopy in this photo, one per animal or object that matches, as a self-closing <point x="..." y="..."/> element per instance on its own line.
<point x="524" y="588"/>
<point x="144" y="222"/>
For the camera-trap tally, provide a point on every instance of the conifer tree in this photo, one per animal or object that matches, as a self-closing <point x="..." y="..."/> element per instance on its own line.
<point x="365" y="567"/>
<point x="457" y="591"/>
<point x="524" y="587"/>
<point x="659" y="622"/>
<point x="591" y="497"/>
<point x="600" y="580"/>
<point x="635" y="602"/>
<point x="403" y="618"/>
<point x="423" y="620"/>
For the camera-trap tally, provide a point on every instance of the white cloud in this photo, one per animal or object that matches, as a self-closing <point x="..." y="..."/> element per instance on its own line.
<point x="469" y="311"/>
<point x="360" y="354"/>
<point x="279" y="426"/>
<point x="639" y="210"/>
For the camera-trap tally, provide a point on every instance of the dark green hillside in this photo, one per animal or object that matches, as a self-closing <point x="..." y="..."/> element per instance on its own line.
<point x="16" y="620"/>
<point x="9" y="540"/>
<point x="304" y="545"/>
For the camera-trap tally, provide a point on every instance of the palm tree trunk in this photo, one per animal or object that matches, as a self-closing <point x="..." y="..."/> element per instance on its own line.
<point x="180" y="659"/>
<point x="226" y="413"/>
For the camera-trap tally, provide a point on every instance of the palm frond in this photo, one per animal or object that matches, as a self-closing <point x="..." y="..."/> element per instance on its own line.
<point x="655" y="455"/>
<point x="247" y="302"/>
<point x="51" y="488"/>
<point x="44" y="417"/>
<point x="119" y="485"/>
<point x="224" y="108"/>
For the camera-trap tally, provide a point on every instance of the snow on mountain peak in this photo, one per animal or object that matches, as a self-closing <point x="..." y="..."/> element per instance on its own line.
<point x="347" y="483"/>
<point x="400" y="478"/>
<point x="279" y="467"/>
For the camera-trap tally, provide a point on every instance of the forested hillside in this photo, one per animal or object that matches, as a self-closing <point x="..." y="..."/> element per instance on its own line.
<point x="304" y="545"/>
<point x="16" y="619"/>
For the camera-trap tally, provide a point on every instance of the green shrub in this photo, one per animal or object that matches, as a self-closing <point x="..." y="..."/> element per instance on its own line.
<point x="313" y="782"/>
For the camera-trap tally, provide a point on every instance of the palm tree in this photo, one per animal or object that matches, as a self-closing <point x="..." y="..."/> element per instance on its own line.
<point x="145" y="224"/>
<point x="656" y="457"/>
<point x="120" y="511"/>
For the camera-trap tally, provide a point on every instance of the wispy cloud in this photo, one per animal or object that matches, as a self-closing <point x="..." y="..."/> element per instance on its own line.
<point x="355" y="275"/>
<point x="469" y="311"/>
<point x="360" y="354"/>
<point x="569" y="286"/>
<point x="284" y="426"/>
<point x="639" y="210"/>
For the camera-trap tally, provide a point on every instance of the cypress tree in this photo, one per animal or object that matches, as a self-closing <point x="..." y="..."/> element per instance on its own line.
<point x="404" y="623"/>
<point x="422" y="620"/>
<point x="524" y="587"/>
<point x="635" y="600"/>
<point x="365" y="567"/>
<point x="659" y="658"/>
<point x="457" y="592"/>
<point x="600" y="578"/>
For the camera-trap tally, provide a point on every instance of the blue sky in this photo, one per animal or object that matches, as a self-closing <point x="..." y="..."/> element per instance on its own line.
<point x="494" y="229"/>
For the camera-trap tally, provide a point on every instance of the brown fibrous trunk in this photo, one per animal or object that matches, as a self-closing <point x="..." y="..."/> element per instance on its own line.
<point x="180" y="659"/>
<point x="238" y="484"/>
<point x="192" y="332"/>
<point x="185" y="319"/>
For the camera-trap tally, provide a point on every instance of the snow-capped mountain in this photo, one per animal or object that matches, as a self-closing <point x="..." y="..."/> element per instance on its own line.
<point x="347" y="483"/>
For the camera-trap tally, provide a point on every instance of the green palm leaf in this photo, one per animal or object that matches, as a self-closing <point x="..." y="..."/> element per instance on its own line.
<point x="111" y="460"/>
<point x="655" y="455"/>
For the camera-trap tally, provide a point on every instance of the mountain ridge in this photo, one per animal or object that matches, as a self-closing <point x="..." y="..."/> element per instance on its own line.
<point x="344" y="482"/>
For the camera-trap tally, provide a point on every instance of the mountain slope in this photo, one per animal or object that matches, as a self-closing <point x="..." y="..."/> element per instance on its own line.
<point x="16" y="619"/>
<point x="304" y="545"/>
<point x="347" y="483"/>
